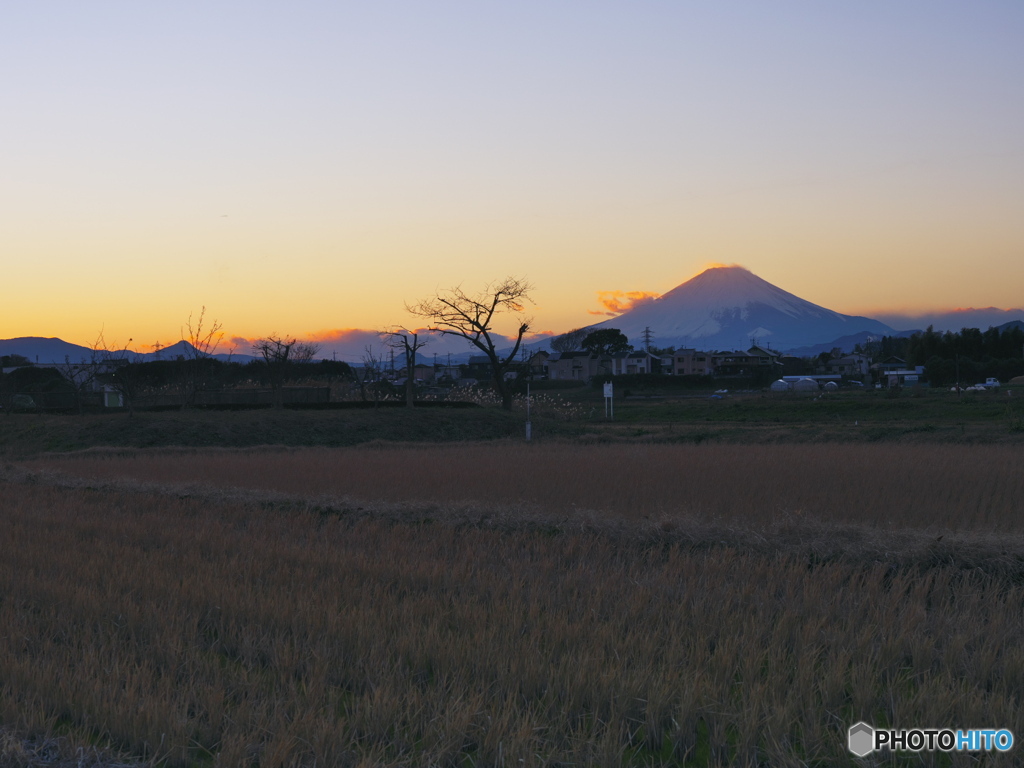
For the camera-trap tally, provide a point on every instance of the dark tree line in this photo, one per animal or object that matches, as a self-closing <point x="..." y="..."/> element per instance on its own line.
<point x="217" y="374"/>
<point x="976" y="355"/>
<point x="181" y="376"/>
<point x="969" y="343"/>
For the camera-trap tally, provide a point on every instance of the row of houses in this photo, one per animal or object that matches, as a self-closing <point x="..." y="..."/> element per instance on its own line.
<point x="757" y="361"/>
<point x="583" y="366"/>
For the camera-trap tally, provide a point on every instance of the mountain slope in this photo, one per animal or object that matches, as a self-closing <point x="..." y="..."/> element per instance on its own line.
<point x="956" y="319"/>
<point x="730" y="308"/>
<point x="38" y="349"/>
<point x="52" y="351"/>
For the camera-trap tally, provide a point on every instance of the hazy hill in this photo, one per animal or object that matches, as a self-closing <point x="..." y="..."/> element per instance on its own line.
<point x="956" y="319"/>
<point x="52" y="351"/>
<point x="1013" y="324"/>
<point x="845" y="343"/>
<point x="44" y="351"/>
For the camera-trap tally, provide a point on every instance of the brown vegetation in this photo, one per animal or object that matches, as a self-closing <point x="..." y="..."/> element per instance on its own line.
<point x="945" y="486"/>
<point x="478" y="618"/>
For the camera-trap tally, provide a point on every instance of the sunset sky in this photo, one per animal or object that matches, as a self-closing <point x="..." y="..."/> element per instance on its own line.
<point x="309" y="167"/>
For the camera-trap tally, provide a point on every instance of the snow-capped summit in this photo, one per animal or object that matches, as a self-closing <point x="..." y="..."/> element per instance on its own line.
<point x="730" y="308"/>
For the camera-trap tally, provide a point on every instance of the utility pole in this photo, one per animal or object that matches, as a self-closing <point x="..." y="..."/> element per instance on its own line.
<point x="647" y="338"/>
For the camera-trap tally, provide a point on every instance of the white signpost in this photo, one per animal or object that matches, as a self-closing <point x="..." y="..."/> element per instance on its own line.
<point x="609" y="401"/>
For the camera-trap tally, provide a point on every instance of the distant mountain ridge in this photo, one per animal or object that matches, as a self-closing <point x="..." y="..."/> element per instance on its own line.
<point x="45" y="351"/>
<point x="731" y="308"/>
<point x="956" y="320"/>
<point x="845" y="343"/>
<point x="54" y="351"/>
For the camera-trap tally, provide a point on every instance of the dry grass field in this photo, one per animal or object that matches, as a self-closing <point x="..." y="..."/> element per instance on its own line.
<point x="506" y="604"/>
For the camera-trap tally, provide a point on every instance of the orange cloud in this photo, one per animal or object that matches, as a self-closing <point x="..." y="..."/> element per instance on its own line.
<point x="617" y="302"/>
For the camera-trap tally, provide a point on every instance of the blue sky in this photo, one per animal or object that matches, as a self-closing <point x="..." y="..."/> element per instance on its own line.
<point x="310" y="168"/>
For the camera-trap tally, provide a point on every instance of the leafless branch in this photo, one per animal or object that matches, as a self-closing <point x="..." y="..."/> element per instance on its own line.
<point x="470" y="316"/>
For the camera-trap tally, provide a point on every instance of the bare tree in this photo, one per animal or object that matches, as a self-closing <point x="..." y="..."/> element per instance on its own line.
<point x="81" y="375"/>
<point x="408" y="342"/>
<point x="369" y="375"/>
<point x="203" y="338"/>
<point x="279" y="353"/>
<point x="116" y="370"/>
<point x="471" y="316"/>
<point x="571" y="341"/>
<point x="304" y="352"/>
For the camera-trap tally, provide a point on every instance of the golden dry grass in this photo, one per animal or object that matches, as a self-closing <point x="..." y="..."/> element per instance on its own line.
<point x="239" y="608"/>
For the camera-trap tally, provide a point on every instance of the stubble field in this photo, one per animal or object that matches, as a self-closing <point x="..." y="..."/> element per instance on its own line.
<point x="508" y="604"/>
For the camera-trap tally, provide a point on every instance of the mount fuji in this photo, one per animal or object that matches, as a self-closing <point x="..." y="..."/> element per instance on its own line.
<point x="731" y="308"/>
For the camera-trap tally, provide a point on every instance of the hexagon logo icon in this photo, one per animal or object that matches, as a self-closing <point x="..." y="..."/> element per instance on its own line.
<point x="861" y="739"/>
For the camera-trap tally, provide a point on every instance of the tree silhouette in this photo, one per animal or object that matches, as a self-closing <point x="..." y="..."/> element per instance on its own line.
<point x="471" y="316"/>
<point x="607" y="341"/>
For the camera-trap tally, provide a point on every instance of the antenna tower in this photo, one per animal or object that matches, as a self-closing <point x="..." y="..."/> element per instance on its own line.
<point x="647" y="338"/>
